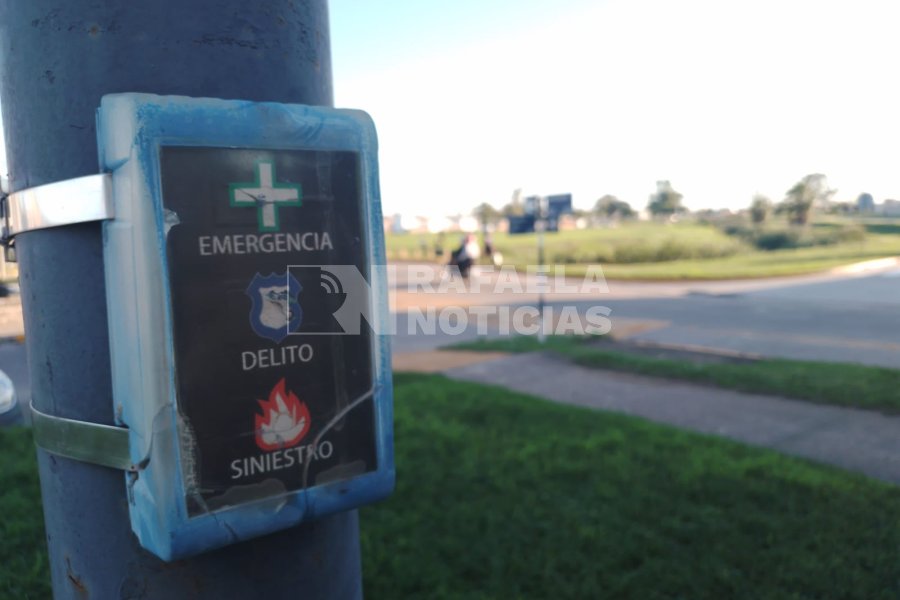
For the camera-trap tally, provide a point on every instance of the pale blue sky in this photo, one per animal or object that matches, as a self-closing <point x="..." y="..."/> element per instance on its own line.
<point x="725" y="99"/>
<point x="369" y="35"/>
<point x="475" y="98"/>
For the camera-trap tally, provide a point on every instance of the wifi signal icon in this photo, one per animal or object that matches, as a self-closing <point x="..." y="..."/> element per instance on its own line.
<point x="330" y="283"/>
<point x="335" y="299"/>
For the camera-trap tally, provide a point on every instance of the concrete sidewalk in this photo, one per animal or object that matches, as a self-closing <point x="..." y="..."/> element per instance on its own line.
<point x="863" y="441"/>
<point x="11" y="324"/>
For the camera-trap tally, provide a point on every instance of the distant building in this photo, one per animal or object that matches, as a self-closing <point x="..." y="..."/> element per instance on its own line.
<point x="388" y="223"/>
<point x="464" y="224"/>
<point x="553" y="207"/>
<point x="417" y="224"/>
<point x="420" y="225"/>
<point x="397" y="223"/>
<point x="889" y="208"/>
<point x="568" y="222"/>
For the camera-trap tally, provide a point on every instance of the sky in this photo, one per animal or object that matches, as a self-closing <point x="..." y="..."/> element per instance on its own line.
<point x="474" y="99"/>
<point x="726" y="100"/>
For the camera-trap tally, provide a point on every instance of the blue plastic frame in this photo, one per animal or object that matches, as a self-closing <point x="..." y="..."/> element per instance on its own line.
<point x="131" y="128"/>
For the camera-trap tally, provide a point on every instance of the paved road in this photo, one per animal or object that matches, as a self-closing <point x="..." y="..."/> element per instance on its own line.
<point x="844" y="320"/>
<point x="842" y="317"/>
<point x="851" y="316"/>
<point x="14" y="364"/>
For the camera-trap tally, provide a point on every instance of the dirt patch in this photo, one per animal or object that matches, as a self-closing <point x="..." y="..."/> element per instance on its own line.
<point x="436" y="361"/>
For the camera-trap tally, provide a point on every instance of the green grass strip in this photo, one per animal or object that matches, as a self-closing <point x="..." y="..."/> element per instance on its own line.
<point x="502" y="495"/>
<point x="654" y="251"/>
<point x="24" y="570"/>
<point x="857" y="386"/>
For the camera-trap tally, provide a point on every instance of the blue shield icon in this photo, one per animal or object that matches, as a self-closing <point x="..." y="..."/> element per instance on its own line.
<point x="275" y="310"/>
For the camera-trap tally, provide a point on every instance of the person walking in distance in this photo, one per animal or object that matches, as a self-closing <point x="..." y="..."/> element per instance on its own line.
<point x="466" y="255"/>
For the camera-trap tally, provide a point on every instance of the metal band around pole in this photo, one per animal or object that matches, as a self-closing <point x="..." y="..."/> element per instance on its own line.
<point x="88" y="442"/>
<point x="78" y="200"/>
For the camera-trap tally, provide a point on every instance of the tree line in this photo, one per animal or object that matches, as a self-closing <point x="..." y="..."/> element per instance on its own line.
<point x="811" y="191"/>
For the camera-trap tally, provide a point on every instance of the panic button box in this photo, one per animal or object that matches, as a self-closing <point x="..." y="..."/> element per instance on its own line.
<point x="246" y="309"/>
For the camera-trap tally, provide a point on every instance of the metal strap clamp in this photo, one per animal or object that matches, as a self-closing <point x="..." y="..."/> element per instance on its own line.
<point x="79" y="200"/>
<point x="88" y="442"/>
<point x="68" y="202"/>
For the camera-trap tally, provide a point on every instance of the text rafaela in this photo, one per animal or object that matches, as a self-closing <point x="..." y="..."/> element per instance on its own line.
<point x="266" y="243"/>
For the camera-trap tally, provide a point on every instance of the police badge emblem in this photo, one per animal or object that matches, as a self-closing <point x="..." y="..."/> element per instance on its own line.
<point x="275" y="311"/>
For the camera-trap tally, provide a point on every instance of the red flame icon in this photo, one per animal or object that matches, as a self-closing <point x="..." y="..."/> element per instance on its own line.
<point x="284" y="420"/>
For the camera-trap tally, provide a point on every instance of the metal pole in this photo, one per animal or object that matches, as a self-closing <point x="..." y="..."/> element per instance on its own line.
<point x="57" y="58"/>
<point x="541" y="226"/>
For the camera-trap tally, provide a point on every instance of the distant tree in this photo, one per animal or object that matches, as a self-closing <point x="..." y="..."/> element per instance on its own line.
<point x="810" y="191"/>
<point x="515" y="207"/>
<point x="666" y="201"/>
<point x="610" y="207"/>
<point x="712" y="215"/>
<point x="842" y="208"/>
<point x="865" y="203"/>
<point x="487" y="215"/>
<point x="760" y="209"/>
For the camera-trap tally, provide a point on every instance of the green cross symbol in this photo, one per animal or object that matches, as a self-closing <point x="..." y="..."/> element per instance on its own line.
<point x="266" y="195"/>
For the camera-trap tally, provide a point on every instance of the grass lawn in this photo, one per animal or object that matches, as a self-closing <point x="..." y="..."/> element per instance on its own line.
<point x="712" y="254"/>
<point x="24" y="571"/>
<point x="583" y="246"/>
<point x="501" y="495"/>
<point x="754" y="264"/>
<point x="857" y="386"/>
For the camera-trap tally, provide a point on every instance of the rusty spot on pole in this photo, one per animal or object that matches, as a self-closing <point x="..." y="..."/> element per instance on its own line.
<point x="75" y="580"/>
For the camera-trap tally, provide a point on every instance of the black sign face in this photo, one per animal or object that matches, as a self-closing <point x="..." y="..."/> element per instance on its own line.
<point x="260" y="246"/>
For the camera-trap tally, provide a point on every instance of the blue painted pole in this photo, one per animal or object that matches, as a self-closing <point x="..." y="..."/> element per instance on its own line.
<point x="57" y="58"/>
